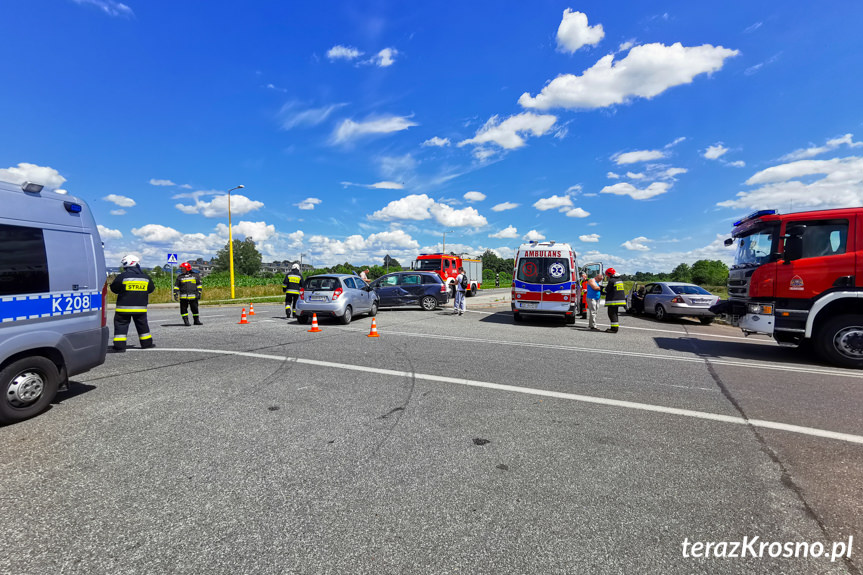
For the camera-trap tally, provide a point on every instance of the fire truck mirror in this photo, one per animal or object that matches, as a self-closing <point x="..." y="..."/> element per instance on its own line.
<point x="729" y="241"/>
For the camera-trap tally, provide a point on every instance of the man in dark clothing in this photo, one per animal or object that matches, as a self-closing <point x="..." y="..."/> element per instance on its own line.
<point x="188" y="289"/>
<point x="615" y="297"/>
<point x="133" y="288"/>
<point x="291" y="286"/>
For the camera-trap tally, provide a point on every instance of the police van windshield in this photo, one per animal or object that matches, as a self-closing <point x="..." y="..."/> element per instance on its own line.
<point x="543" y="270"/>
<point x="756" y="248"/>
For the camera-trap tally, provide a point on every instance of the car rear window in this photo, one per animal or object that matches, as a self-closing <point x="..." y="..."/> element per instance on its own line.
<point x="689" y="290"/>
<point x="432" y="279"/>
<point x="318" y="283"/>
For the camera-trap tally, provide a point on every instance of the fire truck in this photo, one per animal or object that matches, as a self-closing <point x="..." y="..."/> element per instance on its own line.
<point x="797" y="278"/>
<point x="446" y="266"/>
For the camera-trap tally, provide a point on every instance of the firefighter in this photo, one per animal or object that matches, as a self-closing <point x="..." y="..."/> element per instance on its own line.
<point x="291" y="286"/>
<point x="133" y="288"/>
<point x="583" y="295"/>
<point x="188" y="289"/>
<point x="614" y="298"/>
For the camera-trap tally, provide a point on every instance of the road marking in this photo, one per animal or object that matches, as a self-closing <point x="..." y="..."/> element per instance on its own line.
<point x="796" y="368"/>
<point x="811" y="431"/>
<point x="749" y="339"/>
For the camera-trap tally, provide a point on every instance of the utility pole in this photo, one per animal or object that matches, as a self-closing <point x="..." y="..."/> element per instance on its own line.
<point x="444" y="241"/>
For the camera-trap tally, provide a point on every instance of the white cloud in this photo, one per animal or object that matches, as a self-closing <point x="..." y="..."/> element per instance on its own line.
<point x="577" y="213"/>
<point x="291" y="115"/>
<point x="323" y="250"/>
<point x="589" y="238"/>
<point x="553" y="203"/>
<point x="612" y="176"/>
<point x="647" y="71"/>
<point x="108" y="233"/>
<point x="504" y="206"/>
<point x="121" y="201"/>
<point x="109" y="7"/>
<point x="451" y="217"/>
<point x="412" y="207"/>
<point x="437" y="142"/>
<point x="349" y="130"/>
<point x="387" y="186"/>
<point x="635" y="176"/>
<point x="637" y="156"/>
<point x="155" y="182"/>
<point x="738" y="164"/>
<point x="385" y="57"/>
<point x="474" y="196"/>
<point x="258" y="231"/>
<point x="798" y="185"/>
<point x="509" y="232"/>
<point x="156" y="233"/>
<point x="120" y="212"/>
<point x="509" y="134"/>
<point x="847" y="139"/>
<point x="715" y="151"/>
<point x="574" y="32"/>
<point x="218" y="207"/>
<point x="636" y="244"/>
<point x="627" y="189"/>
<point x="671" y="173"/>
<point x="308" y="203"/>
<point x="533" y="236"/>
<point x="339" y="52"/>
<point x="24" y="172"/>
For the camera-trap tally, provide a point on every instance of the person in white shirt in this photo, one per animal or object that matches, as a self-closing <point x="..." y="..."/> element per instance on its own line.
<point x="364" y="277"/>
<point x="460" y="290"/>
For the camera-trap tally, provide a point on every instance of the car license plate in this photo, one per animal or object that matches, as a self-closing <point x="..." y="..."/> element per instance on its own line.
<point x="528" y="305"/>
<point x="318" y="298"/>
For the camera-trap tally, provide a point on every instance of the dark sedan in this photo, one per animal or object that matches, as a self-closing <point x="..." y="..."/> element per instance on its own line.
<point x="424" y="289"/>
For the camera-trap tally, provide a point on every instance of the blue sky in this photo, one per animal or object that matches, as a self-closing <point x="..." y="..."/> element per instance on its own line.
<point x="636" y="131"/>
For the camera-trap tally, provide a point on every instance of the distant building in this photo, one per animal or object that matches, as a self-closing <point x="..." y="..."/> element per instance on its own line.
<point x="283" y="267"/>
<point x="202" y="266"/>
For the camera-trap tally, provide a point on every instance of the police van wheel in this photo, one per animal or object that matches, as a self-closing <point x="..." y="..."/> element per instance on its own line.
<point x="840" y="341"/>
<point x="28" y="386"/>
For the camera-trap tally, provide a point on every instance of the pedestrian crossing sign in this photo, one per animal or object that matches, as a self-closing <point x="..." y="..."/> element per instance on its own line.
<point x="172" y="258"/>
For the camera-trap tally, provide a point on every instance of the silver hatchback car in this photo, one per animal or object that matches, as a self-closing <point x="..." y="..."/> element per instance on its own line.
<point x="340" y="296"/>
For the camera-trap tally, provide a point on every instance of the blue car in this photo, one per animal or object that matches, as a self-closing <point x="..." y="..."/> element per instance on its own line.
<point x="424" y="289"/>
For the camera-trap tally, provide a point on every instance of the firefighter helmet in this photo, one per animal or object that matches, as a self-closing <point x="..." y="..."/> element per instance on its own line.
<point x="130" y="261"/>
<point x="186" y="266"/>
<point x="611" y="272"/>
<point x="295" y="267"/>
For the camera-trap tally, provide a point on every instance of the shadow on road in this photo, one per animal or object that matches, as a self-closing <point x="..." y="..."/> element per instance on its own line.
<point x="543" y="321"/>
<point x="73" y="389"/>
<point x="737" y="350"/>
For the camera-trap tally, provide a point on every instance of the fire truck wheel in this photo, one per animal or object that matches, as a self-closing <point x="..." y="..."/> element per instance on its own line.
<point x="840" y="341"/>
<point x="472" y="290"/>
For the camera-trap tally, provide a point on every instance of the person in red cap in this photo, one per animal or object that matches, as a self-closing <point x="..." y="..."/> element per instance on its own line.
<point x="614" y="298"/>
<point x="188" y="289"/>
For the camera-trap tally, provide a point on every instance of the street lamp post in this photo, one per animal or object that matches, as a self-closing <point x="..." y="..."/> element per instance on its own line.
<point x="231" y="239"/>
<point x="444" y="241"/>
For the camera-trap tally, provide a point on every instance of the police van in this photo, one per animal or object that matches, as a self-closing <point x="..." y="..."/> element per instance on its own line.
<point x="544" y="281"/>
<point x="52" y="296"/>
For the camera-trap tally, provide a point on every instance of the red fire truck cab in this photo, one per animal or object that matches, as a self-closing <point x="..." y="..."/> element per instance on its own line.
<point x="447" y="265"/>
<point x="798" y="278"/>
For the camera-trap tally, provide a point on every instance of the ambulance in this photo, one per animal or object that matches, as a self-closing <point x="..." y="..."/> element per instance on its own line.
<point x="545" y="281"/>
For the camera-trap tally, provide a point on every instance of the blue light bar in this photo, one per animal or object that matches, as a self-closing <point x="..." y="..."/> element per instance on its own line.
<point x="755" y="215"/>
<point x="72" y="207"/>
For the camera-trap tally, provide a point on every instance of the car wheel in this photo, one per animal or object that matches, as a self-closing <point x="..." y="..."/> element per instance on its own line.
<point x="346" y="317"/>
<point x="428" y="303"/>
<point x="302" y="319"/>
<point x="28" y="386"/>
<point x="661" y="315"/>
<point x="705" y="320"/>
<point x="840" y="341"/>
<point x="374" y="311"/>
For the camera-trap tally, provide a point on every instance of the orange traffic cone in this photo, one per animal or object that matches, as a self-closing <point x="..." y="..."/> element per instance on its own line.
<point x="243" y="318"/>
<point x="374" y="331"/>
<point x="315" y="323"/>
<point x="251" y="309"/>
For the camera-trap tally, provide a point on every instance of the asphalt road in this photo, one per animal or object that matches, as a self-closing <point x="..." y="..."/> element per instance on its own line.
<point x="447" y="445"/>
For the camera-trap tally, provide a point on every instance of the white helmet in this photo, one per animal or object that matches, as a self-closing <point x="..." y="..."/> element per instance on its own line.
<point x="130" y="261"/>
<point x="295" y="267"/>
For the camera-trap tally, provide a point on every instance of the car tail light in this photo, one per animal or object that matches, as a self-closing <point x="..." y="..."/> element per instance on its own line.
<point x="337" y="293"/>
<point x="105" y="304"/>
<point x="677" y="299"/>
<point x="442" y="288"/>
<point x="302" y="293"/>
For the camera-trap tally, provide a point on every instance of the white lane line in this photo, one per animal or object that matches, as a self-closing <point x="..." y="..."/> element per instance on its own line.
<point x="686" y="359"/>
<point x="811" y="431"/>
<point x="690" y="334"/>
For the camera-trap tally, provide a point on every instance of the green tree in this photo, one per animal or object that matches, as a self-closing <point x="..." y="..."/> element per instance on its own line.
<point x="491" y="261"/>
<point x="247" y="258"/>
<point x="709" y="272"/>
<point x="391" y="263"/>
<point x="682" y="273"/>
